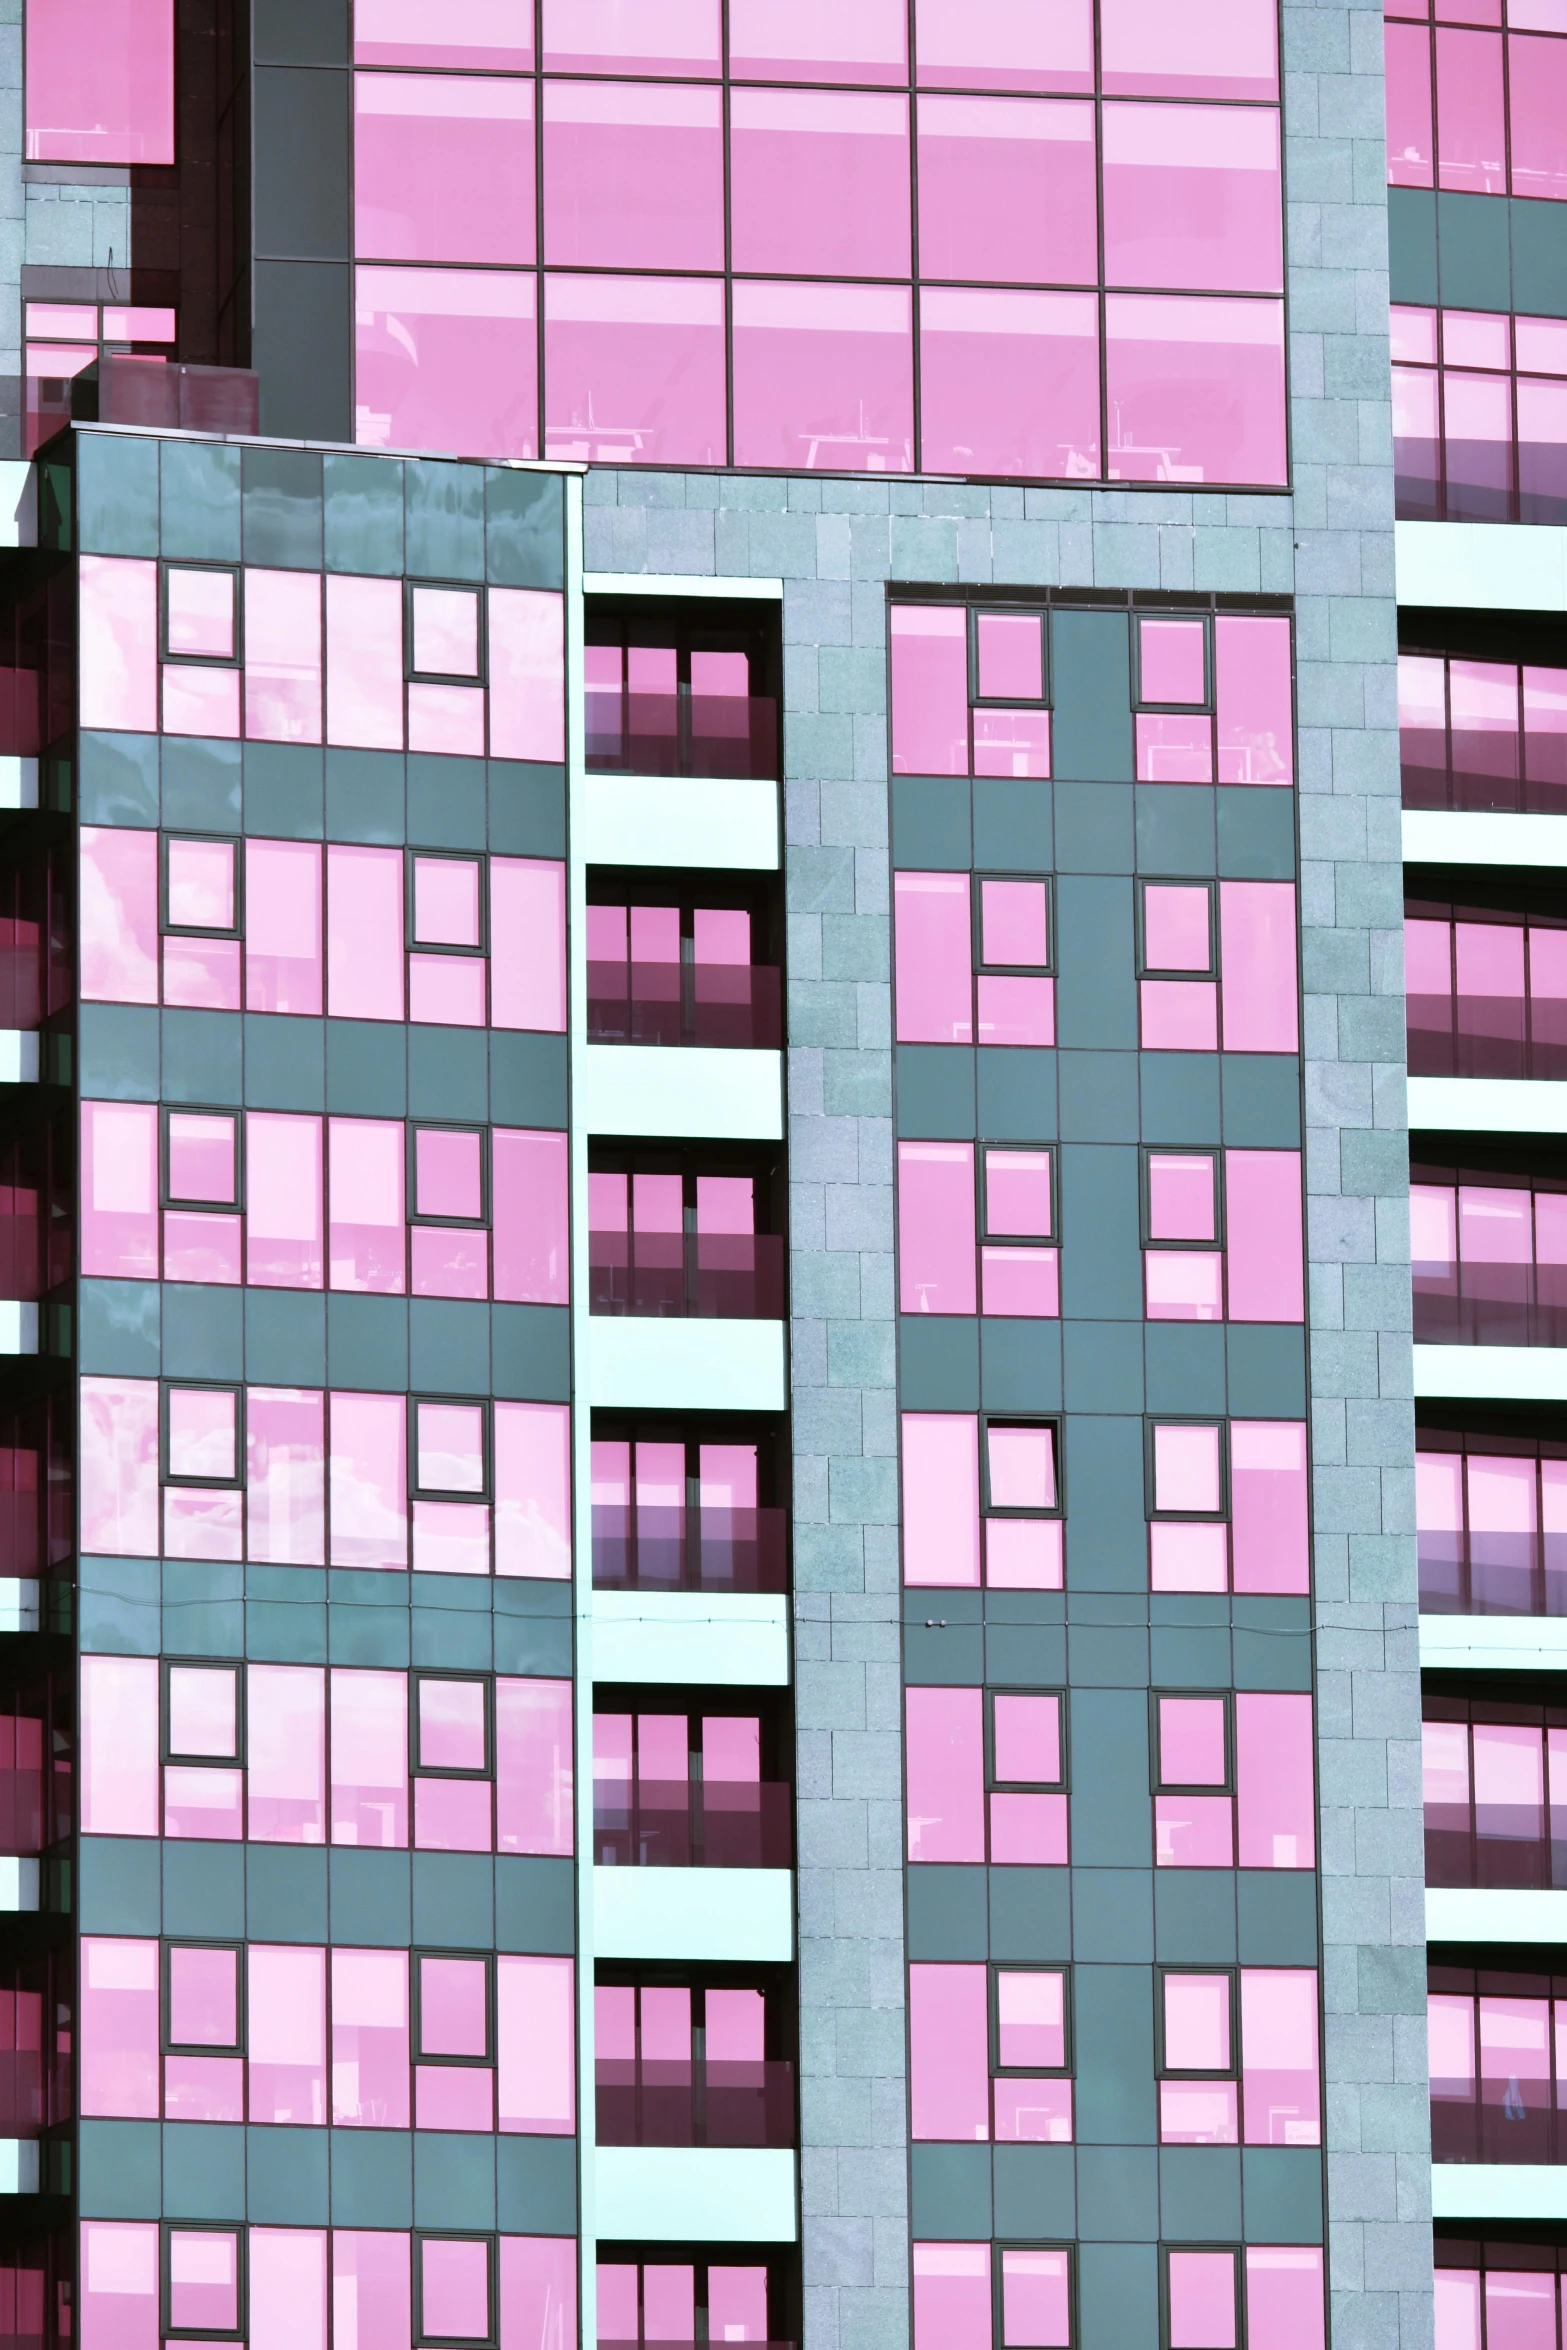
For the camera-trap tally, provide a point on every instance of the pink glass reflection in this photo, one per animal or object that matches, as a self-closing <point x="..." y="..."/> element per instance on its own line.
<point x="929" y="671"/>
<point x="941" y="1499"/>
<point x="634" y="368"/>
<point x="1196" y="389"/>
<point x="1202" y="2300"/>
<point x="1229" y="50"/>
<point x="455" y="2276"/>
<point x="1177" y="925"/>
<point x="286" y="2014"/>
<point x="1263" y="1230"/>
<point x="1005" y="45"/>
<point x="1008" y="190"/>
<point x="1172" y="660"/>
<point x="1009" y="383"/>
<point x="119" y="915"/>
<point x="952" y="2297"/>
<point x="368" y="1481"/>
<point x="443" y="168"/>
<point x="945" y="1766"/>
<point x="527" y="675"/>
<point x="633" y="176"/>
<point x="949" y="2052"/>
<point x="1013" y="1010"/>
<point x="530" y="1215"/>
<point x="1257" y="950"/>
<point x="936" y="1228"/>
<point x="1036" y="2306"/>
<point x="814" y="41"/>
<point x="283" y="1197"/>
<point x="100" y="82"/>
<point x="283" y="926"/>
<point x="679" y="37"/>
<point x="1017" y="1194"/>
<point x="1192" y="1742"/>
<point x="1268" y="1505"/>
<point x="1275" y="1787"/>
<point x="1012" y="742"/>
<point x="447" y="359"/>
<point x="365" y="1167"/>
<point x="364" y="662"/>
<point x="1192" y="197"/>
<point x="203" y="1997"/>
<point x="1186" y="1467"/>
<point x="200" y="882"/>
<point x="283" y="656"/>
<point x="528" y="943"/>
<point x="1180" y="1196"/>
<point x="1014" y="922"/>
<point x="933" y="958"/>
<point x="118" y="644"/>
<point x="1252" y="663"/>
<point x="119" y="1183"/>
<point x="1285" y="2300"/>
<point x="823" y="378"/>
<point x="369" y="1758"/>
<point x="199" y="612"/>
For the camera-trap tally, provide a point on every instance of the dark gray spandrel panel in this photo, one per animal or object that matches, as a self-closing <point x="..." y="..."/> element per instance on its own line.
<point x="1019" y="1365"/>
<point x="1095" y="828"/>
<point x="446" y="803"/>
<point x="285" y="2180"/>
<point x="1256" y="833"/>
<point x="1117" y="2295"/>
<point x="364" y="514"/>
<point x="1261" y="1093"/>
<point x="1281" y="2188"/>
<point x="301" y="170"/>
<point x="118" y="1328"/>
<point x="372" y="2178"/>
<point x="285" y="1062"/>
<point x="367" y="1342"/>
<point x="367" y="1068"/>
<point x="1015" y="1093"/>
<point x="443" y="508"/>
<point x="200" y="501"/>
<point x="119" y="1609"/>
<point x="1175" y="828"/>
<point x="116" y="494"/>
<point x="949" y="2192"/>
<point x="1112" y="1809"/>
<point x="527" y="808"/>
<point x="938" y="1362"/>
<point x="1112" y="1915"/>
<point x="1101" y="1241"/>
<point x="1103" y="1366"/>
<point x="535" y="1904"/>
<point x="119" y="2170"/>
<point x="1118" y="2196"/>
<point x="204" y="1889"/>
<point x="1014" y="825"/>
<point x="204" y="2172"/>
<point x="1267" y="1369"/>
<point x="1411" y="239"/>
<point x="1112" y="2030"/>
<point x="525" y="522"/>
<point x="454" y="1900"/>
<point x="931" y="823"/>
<point x="449" y="1074"/>
<point x="300" y="32"/>
<point x="203" y="1608"/>
<point x="302" y="347"/>
<point x="1194" y="1917"/>
<point x="1030" y="1915"/>
<point x="1183" y="1365"/>
<point x="1199" y="2194"/>
<point x="530" y="1348"/>
<point x="118" y="779"/>
<point x="528" y="1083"/>
<point x="1035" y="2193"/>
<point x="1090" y="667"/>
<point x="285" y="1338"/>
<point x="1473" y="252"/>
<point x="117" y="1052"/>
<point x="452" y="1625"/>
<point x="449" y="1346"/>
<point x="946" y="1912"/>
<point x="1104" y="1485"/>
<point x="284" y="788"/>
<point x="1539" y="282"/>
<point x="201" y="784"/>
<point x="282" y="508"/>
<point x="454" y="2180"/>
<point x="934" y="1091"/>
<point x="203" y="1057"/>
<point x="285" y="1894"/>
<point x="1096" y="992"/>
<point x="1098" y="1096"/>
<point x="366" y="798"/>
<point x="1180" y="1097"/>
<point x="536" y="2185"/>
<point x="370" y="1897"/>
<point x="1276" y="1912"/>
<point x="119" y="1885"/>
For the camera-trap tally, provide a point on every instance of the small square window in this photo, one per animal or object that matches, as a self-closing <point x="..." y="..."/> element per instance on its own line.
<point x="452" y="2016"/>
<point x="448" y="902"/>
<point x="203" y="2280"/>
<point x="201" y="1159"/>
<point x="202" y="1435"/>
<point x="1193" y="1742"/>
<point x="456" y="2294"/>
<point x="1178" y="928"/>
<point x="198" y="614"/>
<point x="203" y="1702"/>
<point x="1172" y="664"/>
<point x="1187" y="1466"/>
<point x="450" y="1451"/>
<point x="1026" y="1740"/>
<point x="451" y="1726"/>
<point x="200" y="886"/>
<point x="445" y="632"/>
<point x="448" y="1174"/>
<point x="1017" y="1195"/>
<point x="1009" y="656"/>
<point x="1182" y="1196"/>
<point x="1014" y="924"/>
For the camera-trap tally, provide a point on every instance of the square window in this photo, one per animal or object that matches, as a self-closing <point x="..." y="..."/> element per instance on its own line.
<point x="448" y="1176"/>
<point x="202" y="1435"/>
<point x="454" y="2289"/>
<point x="203" y="1983"/>
<point x="203" y="2280"/>
<point x="1193" y="1742"/>
<point x="1182" y="1196"/>
<point x="451" y="1726"/>
<point x="1172" y="664"/>
<point x="449" y="1447"/>
<point x="198" y="614"/>
<point x="445" y="631"/>
<point x="1014" y="924"/>
<point x="1026" y="1740"/>
<point x="200" y="885"/>
<point x="453" y="2017"/>
<point x="1177" y="927"/>
<point x="202" y="1158"/>
<point x="448" y="902"/>
<point x="1017" y="1195"/>
<point x="1009" y="656"/>
<point x="204" y="1712"/>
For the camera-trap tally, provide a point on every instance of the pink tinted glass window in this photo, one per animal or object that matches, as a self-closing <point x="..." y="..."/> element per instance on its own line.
<point x="369" y="1758"/>
<point x="119" y="2058"/>
<point x="453" y="2007"/>
<point x="527" y="943"/>
<point x="1005" y="44"/>
<point x="283" y="926"/>
<point x="365" y="1169"/>
<point x="443" y="168"/>
<point x="1191" y="197"/>
<point x="1275" y="1784"/>
<point x="814" y="41"/>
<point x="823" y="377"/>
<point x="680" y="37"/>
<point x="1227" y="50"/>
<point x="446" y="631"/>
<point x="472" y="383"/>
<point x="1014" y="922"/>
<point x="1268" y="1505"/>
<point x="202" y="1158"/>
<point x="119" y="1746"/>
<point x="203" y="2279"/>
<point x="634" y="367"/>
<point x="455" y="2280"/>
<point x="201" y="884"/>
<point x="119" y="1190"/>
<point x="119" y="915"/>
<point x="448" y="1172"/>
<point x="936" y="1227"/>
<point x="1177" y="928"/>
<point x="1257" y="948"/>
<point x="949" y="2044"/>
<point x="1180" y="1196"/>
<point x="1036" y="2306"/>
<point x="952" y="2297"/>
<point x="1009" y="657"/>
<point x="100" y="81"/>
<point x="1196" y="389"/>
<point x="283" y="656"/>
<point x="1028" y="1739"/>
<point x="365" y="933"/>
<point x="200" y="612"/>
<point x="945" y="1763"/>
<point x="930" y="706"/>
<point x="1017" y="1194"/>
<point x="203" y="1997"/>
<point x="446" y="901"/>
<point x="933" y="958"/>
<point x="633" y="176"/>
<point x="1202" y="2300"/>
<point x="1252" y="661"/>
<point x="1285" y="2301"/>
<point x="1010" y="383"/>
<point x="1263" y="1230"/>
<point x="450" y="1447"/>
<point x="202" y="1424"/>
<point x="819" y="183"/>
<point x="475" y="33"/>
<point x="1192" y="1742"/>
<point x="1186" y="1467"/>
<point x="1008" y="190"/>
<point x="118" y="643"/>
<point x="941" y="1498"/>
<point x="451" y="1725"/>
<point x="1172" y="661"/>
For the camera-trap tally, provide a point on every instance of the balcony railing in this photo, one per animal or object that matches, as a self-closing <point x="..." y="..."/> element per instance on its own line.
<point x="1494" y="2086"/>
<point x="653" y="1549"/>
<point x="685" y="1003"/>
<point x="1492" y="1521"/>
<point x="651" y="2103"/>
<point x="692" y="1824"/>
<point x="1495" y="1796"/>
<point x="682" y="733"/>
<point x="723" y="1276"/>
<point x="1489" y="1262"/>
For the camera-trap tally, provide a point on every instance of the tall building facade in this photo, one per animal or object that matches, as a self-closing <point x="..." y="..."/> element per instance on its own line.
<point x="725" y="1500"/>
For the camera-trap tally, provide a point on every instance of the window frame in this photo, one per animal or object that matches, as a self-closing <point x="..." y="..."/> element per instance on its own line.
<point x="1159" y="1785"/>
<point x="1056" y="1424"/>
<point x="1001" y="2245"/>
<point x="168" y="1197"/>
<point x="479" y="676"/>
<point x="418" y="2238"/>
<point x="1214" y="1154"/>
<point x="1207" y="882"/>
<point x="1163" y="2069"/>
<point x="1203" y="617"/>
<point x="240" y="2232"/>
<point x="419" y="1952"/>
<point x="412" y="1129"/>
<point x="167" y="927"/>
<point x="1061" y="1785"/>
<point x="169" y="1477"/>
<point x="983" y="1236"/>
<point x="413" y="943"/>
<point x="1067" y="2069"/>
<point x="1215" y="1517"/>
<point x="485" y="1774"/>
<point x="235" y="573"/>
<point x="168" y="1752"/>
<point x="1237" y="2256"/>
<point x="485" y="1491"/>
<point x="167" y="2044"/>
<point x="1026" y="608"/>
<point x="982" y="874"/>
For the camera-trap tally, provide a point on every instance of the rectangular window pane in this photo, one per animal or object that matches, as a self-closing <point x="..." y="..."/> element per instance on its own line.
<point x="286" y="1725"/>
<point x="369" y="1481"/>
<point x="940" y="1514"/>
<point x="533" y="1767"/>
<point x="119" y="1184"/>
<point x="100" y="81"/>
<point x="536" y="2045"/>
<point x="936" y="1228"/>
<point x="369" y="1758"/>
<point x="1264" y="1252"/>
<point x="823" y="377"/>
<point x="118" y="644"/>
<point x="283" y="1236"/>
<point x="528" y="943"/>
<point x="119" y="915"/>
<point x="119" y="2056"/>
<point x="945" y="1761"/>
<point x="533" y="1490"/>
<point x="119" y="2286"/>
<point x="952" y="2304"/>
<point x="929" y="679"/>
<point x="933" y="958"/>
<point x="1275" y="1790"/>
<point x="532" y="1246"/>
<point x="283" y="926"/>
<point x="1281" y="2096"/>
<point x="364" y="660"/>
<point x="287" y="2030"/>
<point x="949" y="2052"/>
<point x="372" y="2284"/>
<point x="366" y="1158"/>
<point x="1257" y="944"/>
<point x="443" y="169"/>
<point x="634" y="179"/>
<point x="370" y="2050"/>
<point x="287" y="2289"/>
<point x="473" y="384"/>
<point x="1196" y="389"/>
<point x="283" y="656"/>
<point x="364" y="933"/>
<point x="119" y="1467"/>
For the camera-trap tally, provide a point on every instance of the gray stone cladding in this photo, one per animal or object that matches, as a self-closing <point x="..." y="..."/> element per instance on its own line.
<point x="836" y="544"/>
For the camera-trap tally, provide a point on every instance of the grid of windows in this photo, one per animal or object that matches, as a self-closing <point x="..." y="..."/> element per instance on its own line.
<point x="1492" y="1518"/>
<point x="1488" y="1259"/>
<point x="1495" y="100"/>
<point x="1479" y="416"/>
<point x="919" y="237"/>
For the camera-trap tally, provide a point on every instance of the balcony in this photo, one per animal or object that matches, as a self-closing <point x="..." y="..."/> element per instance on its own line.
<point x="1494" y="2092"/>
<point x="668" y="1243"/>
<point x="690" y="1003"/>
<point x="642" y="719"/>
<point x="680" y="2065"/>
<point x="688" y="1824"/>
<point x="1489" y="1260"/>
<point x="1495" y="1795"/>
